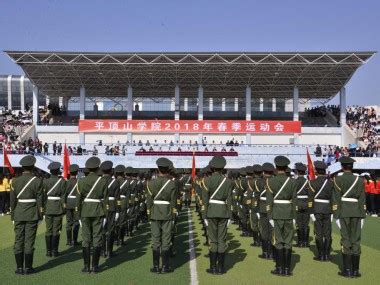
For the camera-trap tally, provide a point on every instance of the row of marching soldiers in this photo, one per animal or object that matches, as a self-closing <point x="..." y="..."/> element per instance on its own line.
<point x="269" y="203"/>
<point x="107" y="203"/>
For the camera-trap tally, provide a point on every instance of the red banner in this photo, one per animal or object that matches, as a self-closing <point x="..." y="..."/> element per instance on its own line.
<point x="190" y="126"/>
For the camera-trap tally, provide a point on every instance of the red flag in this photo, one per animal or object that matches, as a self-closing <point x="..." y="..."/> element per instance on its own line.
<point x="66" y="162"/>
<point x="7" y="162"/>
<point x="193" y="167"/>
<point x="310" y="166"/>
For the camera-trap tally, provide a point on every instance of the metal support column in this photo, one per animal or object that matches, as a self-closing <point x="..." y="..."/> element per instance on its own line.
<point x="35" y="105"/>
<point x="22" y="93"/>
<point x="248" y="110"/>
<point x="200" y="110"/>
<point x="295" y="111"/>
<point x="176" y="109"/>
<point x="9" y="90"/>
<point x="130" y="110"/>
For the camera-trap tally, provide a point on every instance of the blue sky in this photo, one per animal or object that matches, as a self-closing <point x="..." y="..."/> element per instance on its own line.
<point x="235" y="25"/>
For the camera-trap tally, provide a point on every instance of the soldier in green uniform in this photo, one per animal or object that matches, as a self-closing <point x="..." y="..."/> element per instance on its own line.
<point x="239" y="197"/>
<point x="161" y="204"/>
<point x="132" y="202"/>
<point x="303" y="215"/>
<point x="112" y="215"/>
<point x="54" y="189"/>
<point x="92" y="198"/>
<point x="349" y="211"/>
<point x="254" y="173"/>
<point x="320" y="205"/>
<point x="281" y="207"/>
<point x="72" y="221"/>
<point x="26" y="212"/>
<point x="187" y="181"/>
<point x="217" y="198"/>
<point x="265" y="226"/>
<point x="122" y="203"/>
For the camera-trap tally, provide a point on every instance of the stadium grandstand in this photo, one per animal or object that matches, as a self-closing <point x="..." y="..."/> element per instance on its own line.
<point x="245" y="105"/>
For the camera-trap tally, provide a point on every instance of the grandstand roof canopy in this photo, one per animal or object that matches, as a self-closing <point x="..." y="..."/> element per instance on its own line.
<point x="319" y="75"/>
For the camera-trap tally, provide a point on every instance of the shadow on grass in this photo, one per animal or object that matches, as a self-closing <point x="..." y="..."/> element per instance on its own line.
<point x="66" y="256"/>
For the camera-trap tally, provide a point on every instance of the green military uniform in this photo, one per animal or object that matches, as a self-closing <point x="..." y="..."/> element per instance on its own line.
<point x="92" y="198"/>
<point x="161" y="204"/>
<point x="217" y="199"/>
<point x="303" y="215"/>
<point x="239" y="195"/>
<point x="120" y="170"/>
<point x="281" y="199"/>
<point x="109" y="229"/>
<point x="72" y="221"/>
<point x="187" y="181"/>
<point x="253" y="174"/>
<point x="132" y="203"/>
<point x="261" y="210"/>
<point x="320" y="205"/>
<point x="349" y="209"/>
<point x="54" y="189"/>
<point x="26" y="211"/>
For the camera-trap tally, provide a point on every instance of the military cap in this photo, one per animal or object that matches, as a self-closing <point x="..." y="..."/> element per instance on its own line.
<point x="93" y="162"/>
<point x="218" y="162"/>
<point x="73" y="168"/>
<point x="258" y="167"/>
<point x="288" y="170"/>
<point x="346" y="160"/>
<point x="163" y="162"/>
<point x="28" y="160"/>
<point x="207" y="169"/>
<point x="249" y="170"/>
<point x="86" y="170"/>
<point x="281" y="160"/>
<point x="242" y="171"/>
<point x="128" y="170"/>
<point x="268" y="167"/>
<point x="54" y="165"/>
<point x="119" y="168"/>
<point x="320" y="164"/>
<point x="300" y="166"/>
<point x="106" y="165"/>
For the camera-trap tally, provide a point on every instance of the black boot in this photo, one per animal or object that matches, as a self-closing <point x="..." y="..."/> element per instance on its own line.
<point x="156" y="262"/>
<point x="121" y="236"/>
<point x="306" y="237"/>
<point x="327" y="249"/>
<point x="29" y="264"/>
<point x="287" y="262"/>
<point x="48" y="241"/>
<point x="320" y="253"/>
<point x="213" y="257"/>
<point x="278" y="256"/>
<point x="206" y="241"/>
<point x="347" y="266"/>
<point x="109" y="245"/>
<point x="274" y="252"/>
<point x="95" y="260"/>
<point x="19" y="263"/>
<point x="264" y="248"/>
<point x="69" y="235"/>
<point x="269" y="249"/>
<point x="221" y="269"/>
<point x="103" y="250"/>
<point x="299" y="238"/>
<point x="355" y="266"/>
<point x="75" y="235"/>
<point x="55" y="245"/>
<point x="165" y="262"/>
<point x="86" y="260"/>
<point x="172" y="250"/>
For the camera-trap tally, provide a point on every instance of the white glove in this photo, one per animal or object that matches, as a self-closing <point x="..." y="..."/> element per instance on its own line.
<point x="13" y="222"/>
<point x="331" y="218"/>
<point x="258" y="215"/>
<point x="104" y="222"/>
<point x="294" y="222"/>
<point x="206" y="222"/>
<point x="116" y="216"/>
<point x="228" y="222"/>
<point x="338" y="223"/>
<point x="271" y="223"/>
<point x="80" y="223"/>
<point x="312" y="217"/>
<point x="361" y="223"/>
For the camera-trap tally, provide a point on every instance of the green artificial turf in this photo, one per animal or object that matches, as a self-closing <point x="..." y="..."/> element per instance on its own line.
<point x="132" y="264"/>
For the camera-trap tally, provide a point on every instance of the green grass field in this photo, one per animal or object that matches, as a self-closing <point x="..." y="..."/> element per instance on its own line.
<point x="132" y="263"/>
